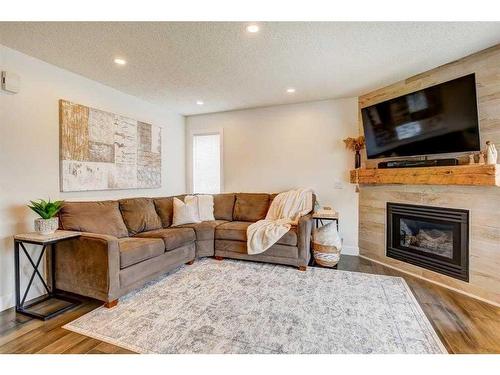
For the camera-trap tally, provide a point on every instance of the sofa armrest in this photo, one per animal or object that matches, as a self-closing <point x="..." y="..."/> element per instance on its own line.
<point x="304" y="230"/>
<point x="89" y="265"/>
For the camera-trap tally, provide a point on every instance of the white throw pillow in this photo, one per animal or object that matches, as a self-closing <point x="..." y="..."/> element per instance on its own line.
<point x="206" y="207"/>
<point x="185" y="212"/>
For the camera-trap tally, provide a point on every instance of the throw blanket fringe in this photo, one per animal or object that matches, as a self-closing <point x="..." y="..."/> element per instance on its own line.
<point x="285" y="211"/>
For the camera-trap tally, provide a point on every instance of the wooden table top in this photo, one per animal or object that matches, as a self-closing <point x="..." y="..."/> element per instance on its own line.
<point x="41" y="239"/>
<point x="329" y="214"/>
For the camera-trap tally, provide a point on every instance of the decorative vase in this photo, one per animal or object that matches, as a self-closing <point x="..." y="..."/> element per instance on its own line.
<point x="357" y="159"/>
<point x="46" y="226"/>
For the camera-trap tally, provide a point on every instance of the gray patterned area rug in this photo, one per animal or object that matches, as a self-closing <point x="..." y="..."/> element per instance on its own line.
<point x="245" y="307"/>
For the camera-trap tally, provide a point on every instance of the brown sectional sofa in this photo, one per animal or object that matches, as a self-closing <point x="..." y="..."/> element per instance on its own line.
<point x="126" y="243"/>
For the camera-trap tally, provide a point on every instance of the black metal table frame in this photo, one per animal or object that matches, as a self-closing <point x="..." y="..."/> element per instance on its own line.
<point x="21" y="308"/>
<point x="317" y="220"/>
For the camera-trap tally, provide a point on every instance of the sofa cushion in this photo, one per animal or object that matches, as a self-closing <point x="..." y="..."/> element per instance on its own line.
<point x="139" y="215"/>
<point x="172" y="237"/>
<point x="250" y="206"/>
<point x="165" y="209"/>
<point x="237" y="231"/>
<point x="134" y="250"/>
<point x="204" y="230"/>
<point x="95" y="217"/>
<point x="224" y="206"/>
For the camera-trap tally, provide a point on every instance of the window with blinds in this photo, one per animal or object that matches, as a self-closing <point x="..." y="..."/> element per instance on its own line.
<point x="206" y="163"/>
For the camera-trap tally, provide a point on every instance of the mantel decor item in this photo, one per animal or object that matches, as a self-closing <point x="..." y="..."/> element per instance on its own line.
<point x="48" y="221"/>
<point x="482" y="158"/>
<point x="471" y="159"/>
<point x="491" y="153"/>
<point x="356" y="145"/>
<point x="103" y="151"/>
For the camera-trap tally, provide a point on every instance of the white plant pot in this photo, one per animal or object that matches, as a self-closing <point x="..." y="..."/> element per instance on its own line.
<point x="46" y="226"/>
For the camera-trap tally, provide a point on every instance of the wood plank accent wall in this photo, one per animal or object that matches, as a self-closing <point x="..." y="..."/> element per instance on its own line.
<point x="482" y="201"/>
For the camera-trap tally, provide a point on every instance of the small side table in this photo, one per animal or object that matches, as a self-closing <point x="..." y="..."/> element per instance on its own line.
<point x="321" y="217"/>
<point x="44" y="241"/>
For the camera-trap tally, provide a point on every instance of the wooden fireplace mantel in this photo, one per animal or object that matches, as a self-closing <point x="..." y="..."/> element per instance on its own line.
<point x="479" y="175"/>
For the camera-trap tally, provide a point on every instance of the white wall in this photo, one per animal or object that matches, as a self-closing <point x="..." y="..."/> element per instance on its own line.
<point x="281" y="147"/>
<point x="29" y="147"/>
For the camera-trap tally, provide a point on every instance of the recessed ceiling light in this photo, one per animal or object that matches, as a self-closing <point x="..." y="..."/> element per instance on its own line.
<point x="120" y="61"/>
<point x="290" y="90"/>
<point x="253" y="28"/>
<point x="199" y="102"/>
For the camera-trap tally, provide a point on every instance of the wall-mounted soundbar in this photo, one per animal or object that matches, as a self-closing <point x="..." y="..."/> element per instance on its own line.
<point x="417" y="163"/>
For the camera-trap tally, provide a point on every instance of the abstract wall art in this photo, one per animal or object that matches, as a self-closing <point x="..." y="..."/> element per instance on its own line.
<point x="103" y="151"/>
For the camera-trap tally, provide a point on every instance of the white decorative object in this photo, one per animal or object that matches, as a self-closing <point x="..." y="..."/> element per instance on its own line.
<point x="481" y="158"/>
<point x="185" y="212"/>
<point x="46" y="226"/>
<point x="471" y="159"/>
<point x="327" y="245"/>
<point x="491" y="153"/>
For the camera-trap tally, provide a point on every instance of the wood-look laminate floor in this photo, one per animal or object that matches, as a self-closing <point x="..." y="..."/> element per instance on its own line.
<point x="464" y="324"/>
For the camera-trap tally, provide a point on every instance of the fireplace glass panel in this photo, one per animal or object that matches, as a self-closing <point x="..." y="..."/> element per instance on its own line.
<point x="435" y="238"/>
<point x="426" y="236"/>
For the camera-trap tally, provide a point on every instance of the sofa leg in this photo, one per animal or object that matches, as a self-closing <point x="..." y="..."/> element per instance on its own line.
<point x="111" y="304"/>
<point x="219" y="258"/>
<point x="302" y="268"/>
<point x="190" y="262"/>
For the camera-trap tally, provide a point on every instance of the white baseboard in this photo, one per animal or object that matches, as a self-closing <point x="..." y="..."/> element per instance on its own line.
<point x="350" y="250"/>
<point x="6" y="302"/>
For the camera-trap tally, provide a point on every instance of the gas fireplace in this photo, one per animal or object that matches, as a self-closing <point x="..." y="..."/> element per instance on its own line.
<point x="435" y="238"/>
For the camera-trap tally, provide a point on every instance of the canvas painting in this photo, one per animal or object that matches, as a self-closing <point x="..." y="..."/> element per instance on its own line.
<point x="102" y="151"/>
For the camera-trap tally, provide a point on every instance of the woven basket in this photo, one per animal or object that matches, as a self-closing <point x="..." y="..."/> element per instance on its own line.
<point x="327" y="256"/>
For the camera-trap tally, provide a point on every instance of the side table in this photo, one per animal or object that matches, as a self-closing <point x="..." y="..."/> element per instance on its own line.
<point x="44" y="241"/>
<point x="321" y="217"/>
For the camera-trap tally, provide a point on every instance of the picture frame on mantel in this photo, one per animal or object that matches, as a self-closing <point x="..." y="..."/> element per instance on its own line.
<point x="104" y="151"/>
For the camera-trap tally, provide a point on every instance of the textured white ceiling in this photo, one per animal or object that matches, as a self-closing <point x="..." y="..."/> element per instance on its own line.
<point x="174" y="64"/>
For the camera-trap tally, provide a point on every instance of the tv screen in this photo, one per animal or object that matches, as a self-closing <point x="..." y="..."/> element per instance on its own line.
<point x="437" y="120"/>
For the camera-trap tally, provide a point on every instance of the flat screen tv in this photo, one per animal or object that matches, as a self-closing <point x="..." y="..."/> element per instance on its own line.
<point x="436" y="120"/>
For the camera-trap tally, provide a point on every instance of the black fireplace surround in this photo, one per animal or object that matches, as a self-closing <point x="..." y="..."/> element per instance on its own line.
<point x="435" y="238"/>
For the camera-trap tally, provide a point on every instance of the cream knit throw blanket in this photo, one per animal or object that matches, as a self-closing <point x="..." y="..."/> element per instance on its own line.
<point x="285" y="211"/>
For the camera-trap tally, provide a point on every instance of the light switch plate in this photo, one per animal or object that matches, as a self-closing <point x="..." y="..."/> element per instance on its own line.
<point x="11" y="82"/>
<point x="337" y="184"/>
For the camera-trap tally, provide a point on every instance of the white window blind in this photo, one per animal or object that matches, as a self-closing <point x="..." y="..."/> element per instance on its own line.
<point x="206" y="163"/>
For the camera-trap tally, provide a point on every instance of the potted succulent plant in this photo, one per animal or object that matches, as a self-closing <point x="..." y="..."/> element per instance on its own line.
<point x="48" y="222"/>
